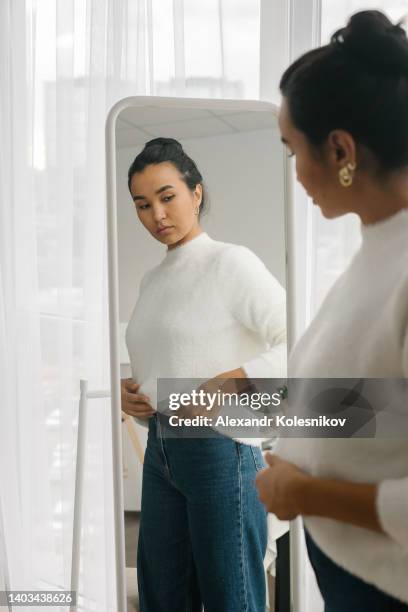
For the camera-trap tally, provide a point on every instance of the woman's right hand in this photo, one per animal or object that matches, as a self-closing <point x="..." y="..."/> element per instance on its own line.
<point x="134" y="403"/>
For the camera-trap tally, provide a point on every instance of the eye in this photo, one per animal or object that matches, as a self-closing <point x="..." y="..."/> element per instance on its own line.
<point x="143" y="206"/>
<point x="291" y="154"/>
<point x="168" y="198"/>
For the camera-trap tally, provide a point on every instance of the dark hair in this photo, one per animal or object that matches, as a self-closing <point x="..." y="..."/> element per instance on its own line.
<point x="359" y="83"/>
<point x="161" y="150"/>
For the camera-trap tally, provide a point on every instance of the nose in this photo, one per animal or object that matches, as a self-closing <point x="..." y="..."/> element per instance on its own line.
<point x="158" y="213"/>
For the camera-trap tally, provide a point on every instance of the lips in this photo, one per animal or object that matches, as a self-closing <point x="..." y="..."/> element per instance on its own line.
<point x="162" y="230"/>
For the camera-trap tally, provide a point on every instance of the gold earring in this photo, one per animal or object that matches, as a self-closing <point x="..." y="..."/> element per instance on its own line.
<point x="345" y="175"/>
<point x="197" y="210"/>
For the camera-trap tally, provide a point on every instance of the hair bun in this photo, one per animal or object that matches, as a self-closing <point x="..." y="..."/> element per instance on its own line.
<point x="373" y="39"/>
<point x="164" y="142"/>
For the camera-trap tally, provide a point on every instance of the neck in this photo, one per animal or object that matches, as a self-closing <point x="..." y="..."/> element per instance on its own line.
<point x="385" y="200"/>
<point x="195" y="231"/>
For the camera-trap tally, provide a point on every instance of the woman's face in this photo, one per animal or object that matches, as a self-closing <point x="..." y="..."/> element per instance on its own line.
<point x="164" y="203"/>
<point x="318" y="172"/>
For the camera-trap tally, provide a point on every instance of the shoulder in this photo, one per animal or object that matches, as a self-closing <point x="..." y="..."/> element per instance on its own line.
<point x="238" y="264"/>
<point x="236" y="255"/>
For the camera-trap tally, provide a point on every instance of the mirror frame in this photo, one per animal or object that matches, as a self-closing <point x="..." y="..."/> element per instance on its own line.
<point x="113" y="284"/>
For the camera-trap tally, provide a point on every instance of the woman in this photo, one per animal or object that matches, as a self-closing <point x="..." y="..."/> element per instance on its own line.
<point x="345" y="118"/>
<point x="208" y="310"/>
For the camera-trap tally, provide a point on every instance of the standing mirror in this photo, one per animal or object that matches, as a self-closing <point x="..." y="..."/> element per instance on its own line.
<point x="235" y="147"/>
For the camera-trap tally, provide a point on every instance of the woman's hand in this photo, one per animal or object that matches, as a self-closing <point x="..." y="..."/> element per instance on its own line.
<point x="280" y="487"/>
<point x="134" y="403"/>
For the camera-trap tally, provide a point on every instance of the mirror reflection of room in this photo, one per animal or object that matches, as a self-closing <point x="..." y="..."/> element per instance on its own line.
<point x="202" y="295"/>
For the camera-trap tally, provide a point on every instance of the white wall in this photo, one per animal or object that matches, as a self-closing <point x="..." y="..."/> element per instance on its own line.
<point x="243" y="173"/>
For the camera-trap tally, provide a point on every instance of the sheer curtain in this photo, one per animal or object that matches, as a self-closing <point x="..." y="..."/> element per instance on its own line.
<point x="63" y="64"/>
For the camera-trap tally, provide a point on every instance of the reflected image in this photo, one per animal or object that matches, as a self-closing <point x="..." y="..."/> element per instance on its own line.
<point x="204" y="308"/>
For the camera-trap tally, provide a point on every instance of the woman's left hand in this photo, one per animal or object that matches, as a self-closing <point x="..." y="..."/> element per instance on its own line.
<point x="281" y="486"/>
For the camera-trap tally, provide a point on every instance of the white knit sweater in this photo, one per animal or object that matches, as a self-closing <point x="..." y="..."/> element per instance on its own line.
<point x="361" y="330"/>
<point x="207" y="308"/>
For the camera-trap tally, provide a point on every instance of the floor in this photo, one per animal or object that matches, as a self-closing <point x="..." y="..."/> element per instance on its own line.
<point x="132" y="521"/>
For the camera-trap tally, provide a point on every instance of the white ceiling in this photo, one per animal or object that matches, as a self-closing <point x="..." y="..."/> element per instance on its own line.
<point x="136" y="125"/>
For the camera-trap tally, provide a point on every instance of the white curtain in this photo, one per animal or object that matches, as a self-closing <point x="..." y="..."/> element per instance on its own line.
<point x="63" y="64"/>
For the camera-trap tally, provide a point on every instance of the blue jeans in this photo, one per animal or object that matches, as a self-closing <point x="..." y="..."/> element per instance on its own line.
<point x="203" y="531"/>
<point x="344" y="592"/>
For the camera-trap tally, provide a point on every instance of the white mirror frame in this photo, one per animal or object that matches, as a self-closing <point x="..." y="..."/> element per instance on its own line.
<point x="113" y="277"/>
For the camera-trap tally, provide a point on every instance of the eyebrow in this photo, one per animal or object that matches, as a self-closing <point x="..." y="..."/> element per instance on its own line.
<point x="284" y="140"/>
<point x="142" y="197"/>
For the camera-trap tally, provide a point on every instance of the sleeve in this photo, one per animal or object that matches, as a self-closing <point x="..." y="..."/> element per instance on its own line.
<point x="392" y="509"/>
<point x="258" y="301"/>
<point x="392" y="495"/>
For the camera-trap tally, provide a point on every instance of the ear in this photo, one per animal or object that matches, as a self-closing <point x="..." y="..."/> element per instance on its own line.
<point x="341" y="148"/>
<point x="198" y="193"/>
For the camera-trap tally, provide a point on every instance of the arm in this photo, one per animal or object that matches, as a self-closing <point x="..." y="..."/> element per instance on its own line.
<point x="257" y="301"/>
<point x="288" y="492"/>
<point x="343" y="501"/>
<point x="392" y="494"/>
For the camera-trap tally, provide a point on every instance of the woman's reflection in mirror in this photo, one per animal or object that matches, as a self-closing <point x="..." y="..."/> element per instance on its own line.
<point x="210" y="310"/>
